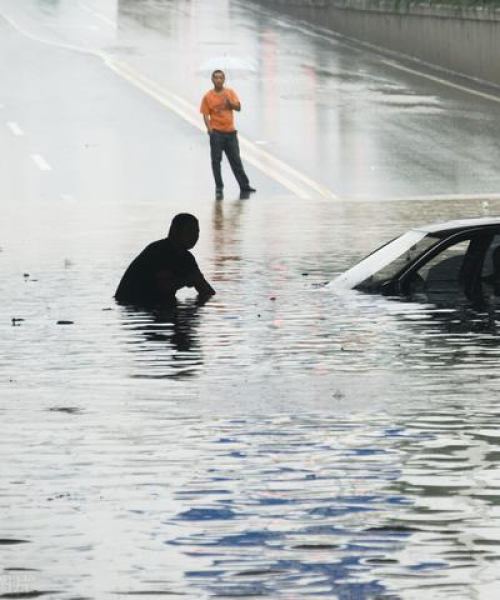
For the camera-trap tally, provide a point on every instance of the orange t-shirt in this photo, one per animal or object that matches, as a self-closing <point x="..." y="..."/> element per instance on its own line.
<point x="214" y="106"/>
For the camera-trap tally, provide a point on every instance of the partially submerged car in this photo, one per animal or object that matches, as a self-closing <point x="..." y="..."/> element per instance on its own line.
<point x="457" y="260"/>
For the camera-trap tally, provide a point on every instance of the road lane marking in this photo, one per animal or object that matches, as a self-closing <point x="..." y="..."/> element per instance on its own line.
<point x="69" y="198"/>
<point x="97" y="15"/>
<point x="15" y="129"/>
<point x="41" y="40"/>
<point x="41" y="163"/>
<point x="355" y="43"/>
<point x="445" y="82"/>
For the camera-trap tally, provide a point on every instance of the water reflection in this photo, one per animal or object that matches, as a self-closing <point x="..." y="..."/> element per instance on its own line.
<point x="355" y="506"/>
<point x="446" y="329"/>
<point x="226" y="223"/>
<point x="164" y="341"/>
<point x="327" y="509"/>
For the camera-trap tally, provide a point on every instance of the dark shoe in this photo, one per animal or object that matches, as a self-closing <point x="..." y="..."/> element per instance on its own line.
<point x="219" y="193"/>
<point x="248" y="190"/>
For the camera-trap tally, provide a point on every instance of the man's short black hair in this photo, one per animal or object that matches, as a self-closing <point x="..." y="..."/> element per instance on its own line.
<point x="182" y="220"/>
<point x="218" y="71"/>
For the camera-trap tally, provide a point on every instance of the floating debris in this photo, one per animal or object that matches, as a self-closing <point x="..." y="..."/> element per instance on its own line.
<point x="63" y="322"/>
<point x="70" y="410"/>
<point x="16" y="321"/>
<point x="58" y="497"/>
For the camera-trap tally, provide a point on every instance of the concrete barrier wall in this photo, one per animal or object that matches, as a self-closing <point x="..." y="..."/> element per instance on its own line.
<point x="465" y="40"/>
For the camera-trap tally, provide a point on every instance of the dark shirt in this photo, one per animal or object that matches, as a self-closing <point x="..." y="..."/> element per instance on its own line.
<point x="139" y="283"/>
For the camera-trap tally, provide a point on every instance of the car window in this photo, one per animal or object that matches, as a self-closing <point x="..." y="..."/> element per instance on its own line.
<point x="492" y="252"/>
<point x="398" y="263"/>
<point x="457" y="271"/>
<point x="491" y="269"/>
<point x="389" y="260"/>
<point x="442" y="274"/>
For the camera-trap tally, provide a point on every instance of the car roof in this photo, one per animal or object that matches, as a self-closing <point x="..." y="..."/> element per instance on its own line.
<point x="460" y="224"/>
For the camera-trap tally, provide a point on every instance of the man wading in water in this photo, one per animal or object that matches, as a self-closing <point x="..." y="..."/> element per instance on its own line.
<point x="217" y="109"/>
<point x="164" y="267"/>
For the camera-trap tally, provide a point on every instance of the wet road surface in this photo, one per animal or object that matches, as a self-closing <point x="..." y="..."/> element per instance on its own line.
<point x="279" y="441"/>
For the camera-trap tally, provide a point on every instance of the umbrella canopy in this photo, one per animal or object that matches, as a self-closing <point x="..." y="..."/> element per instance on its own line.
<point x="233" y="66"/>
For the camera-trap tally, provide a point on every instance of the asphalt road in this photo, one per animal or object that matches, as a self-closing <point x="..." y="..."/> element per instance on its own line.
<point x="342" y="121"/>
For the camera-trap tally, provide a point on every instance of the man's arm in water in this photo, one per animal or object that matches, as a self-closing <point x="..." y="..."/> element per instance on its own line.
<point x="169" y="284"/>
<point x="201" y="285"/>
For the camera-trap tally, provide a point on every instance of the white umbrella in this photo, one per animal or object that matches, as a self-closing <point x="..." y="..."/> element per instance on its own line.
<point x="233" y="66"/>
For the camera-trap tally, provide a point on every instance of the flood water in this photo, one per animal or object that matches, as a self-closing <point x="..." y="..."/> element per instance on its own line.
<point x="280" y="441"/>
<point x="277" y="442"/>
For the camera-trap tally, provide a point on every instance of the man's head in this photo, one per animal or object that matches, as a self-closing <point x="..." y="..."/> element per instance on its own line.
<point x="218" y="79"/>
<point x="184" y="231"/>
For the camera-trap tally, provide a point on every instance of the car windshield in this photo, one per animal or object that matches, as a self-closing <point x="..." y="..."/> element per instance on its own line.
<point x="383" y="264"/>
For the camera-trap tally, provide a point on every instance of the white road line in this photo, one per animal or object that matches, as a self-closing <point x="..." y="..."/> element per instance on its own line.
<point x="69" y="198"/>
<point x="15" y="129"/>
<point x="457" y="86"/>
<point x="97" y="15"/>
<point x="41" y="40"/>
<point x="41" y="163"/>
<point x="338" y="37"/>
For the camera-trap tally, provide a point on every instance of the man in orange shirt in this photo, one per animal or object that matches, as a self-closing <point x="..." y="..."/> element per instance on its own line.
<point x="217" y="109"/>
